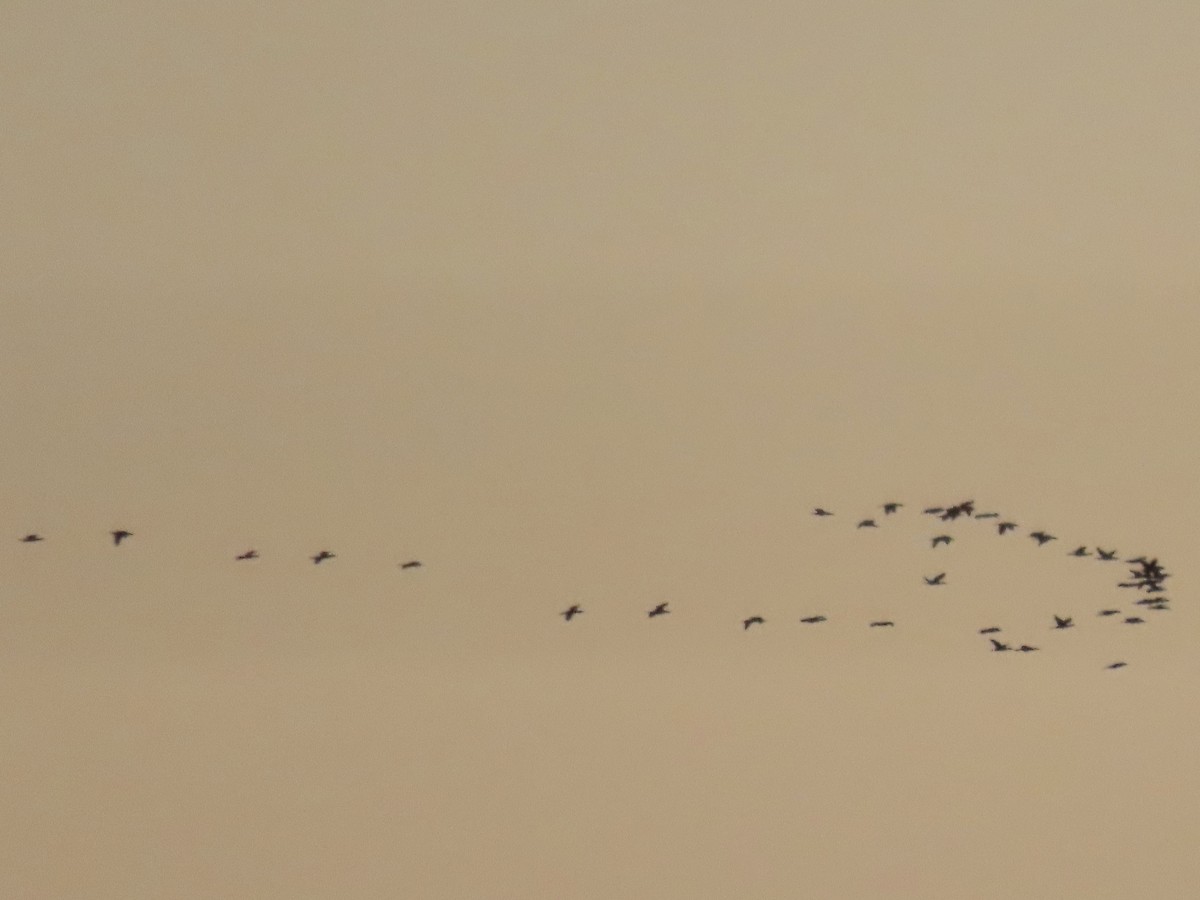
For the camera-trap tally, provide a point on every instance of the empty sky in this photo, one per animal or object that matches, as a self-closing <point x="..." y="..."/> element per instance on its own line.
<point x="593" y="302"/>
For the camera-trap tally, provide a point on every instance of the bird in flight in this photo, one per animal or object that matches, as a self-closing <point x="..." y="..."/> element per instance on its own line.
<point x="889" y="508"/>
<point x="1004" y="527"/>
<point x="942" y="539"/>
<point x="821" y="512"/>
<point x="1116" y="665"/>
<point x="1109" y="612"/>
<point x="883" y="623"/>
<point x="992" y="630"/>
<point x="934" y="510"/>
<point x="966" y="508"/>
<point x="1025" y="648"/>
<point x="1134" y="620"/>
<point x="1041" y="537"/>
<point x="571" y="612"/>
<point x="998" y="647"/>
<point x="938" y="579"/>
<point x="1157" y="605"/>
<point x="1060" y="622"/>
<point x="812" y="619"/>
<point x="867" y="523"/>
<point x="322" y="556"/>
<point x="1108" y="555"/>
<point x="1079" y="551"/>
<point x="119" y="536"/>
<point x="32" y="538"/>
<point x="1150" y="601"/>
<point x="411" y="564"/>
<point x="249" y="554"/>
<point x="987" y="515"/>
<point x="753" y="620"/>
<point x="660" y="610"/>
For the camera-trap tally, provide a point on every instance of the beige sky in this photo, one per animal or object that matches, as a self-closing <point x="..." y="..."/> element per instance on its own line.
<point x="593" y="302"/>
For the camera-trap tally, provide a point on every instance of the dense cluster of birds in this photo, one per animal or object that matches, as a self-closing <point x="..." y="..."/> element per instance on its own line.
<point x="1147" y="575"/>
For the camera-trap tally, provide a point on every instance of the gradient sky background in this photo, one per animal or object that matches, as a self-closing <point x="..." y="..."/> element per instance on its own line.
<point x="593" y="302"/>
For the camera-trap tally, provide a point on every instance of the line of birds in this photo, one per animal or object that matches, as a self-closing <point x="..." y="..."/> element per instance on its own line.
<point x="1148" y="576"/>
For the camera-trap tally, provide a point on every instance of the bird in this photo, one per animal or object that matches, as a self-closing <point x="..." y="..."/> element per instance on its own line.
<point x="821" y="512"/>
<point x="867" y="523"/>
<point x="411" y="564"/>
<point x="1041" y="537"/>
<point x="987" y="515"/>
<point x="889" y="508"/>
<point x="883" y="623"/>
<point x="1150" y="601"/>
<point x="1079" y="551"/>
<point x="997" y="646"/>
<point x="1159" y="607"/>
<point x="942" y="539"/>
<point x="938" y="579"/>
<point x="966" y="508"/>
<point x="1004" y="527"/>
<point x="992" y="630"/>
<point x="660" y="610"/>
<point x="1134" y="620"/>
<point x="1106" y="555"/>
<point x="249" y="554"/>
<point x="1116" y="665"/>
<point x="1060" y="622"/>
<point x="119" y="536"/>
<point x="1109" y="612"/>
<point x="31" y="538"/>
<point x="812" y="619"/>
<point x="934" y="510"/>
<point x="753" y="620"/>
<point x="322" y="556"/>
<point x="1025" y="648"/>
<point x="571" y="612"/>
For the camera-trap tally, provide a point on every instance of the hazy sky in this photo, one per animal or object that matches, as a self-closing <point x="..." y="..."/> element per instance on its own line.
<point x="592" y="303"/>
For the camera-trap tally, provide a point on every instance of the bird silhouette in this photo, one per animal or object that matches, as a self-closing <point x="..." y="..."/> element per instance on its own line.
<point x="987" y="515"/>
<point x="1116" y="665"/>
<point x="1060" y="622"/>
<point x="991" y="630"/>
<point x="821" y="512"/>
<point x="753" y="620"/>
<point x="660" y="610"/>
<point x="883" y="623"/>
<point x="1150" y="601"/>
<point x="812" y="619"/>
<point x="1004" y="527"/>
<point x="32" y="538"/>
<point x="411" y="564"/>
<point x="889" y="508"/>
<point x="1158" y="607"/>
<point x="998" y="647"/>
<point x="966" y="508"/>
<point x="1041" y="537"/>
<point x="1109" y="612"/>
<point x="1134" y="620"/>
<point x="322" y="556"/>
<point x="941" y="539"/>
<point x="1079" y="551"/>
<point x="249" y="554"/>
<point x="867" y="523"/>
<point x="938" y="579"/>
<point x="119" y="536"/>
<point x="1025" y="648"/>
<point x="1107" y="555"/>
<point x="571" y="612"/>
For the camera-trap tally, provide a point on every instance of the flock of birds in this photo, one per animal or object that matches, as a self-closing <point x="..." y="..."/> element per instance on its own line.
<point x="1147" y="575"/>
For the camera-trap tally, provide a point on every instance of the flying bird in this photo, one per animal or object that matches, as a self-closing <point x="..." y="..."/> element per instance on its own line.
<point x="884" y="623"/>
<point x="998" y="647"/>
<point x="119" y="536"/>
<point x="322" y="556"/>
<point x="31" y="538"/>
<point x="660" y="610"/>
<point x="571" y="612"/>
<point x="1159" y="607"/>
<point x="1060" y="622"/>
<point x="249" y="554"/>
<point x="1041" y="537"/>
<point x="942" y="539"/>
<point x="1109" y="612"/>
<point x="938" y="579"/>
<point x="1025" y="648"/>
<point x="411" y="564"/>
<point x="753" y="620"/>
<point x="1107" y="555"/>
<point x="811" y="619"/>
<point x="992" y="630"/>
<point x="1079" y="551"/>
<point x="821" y="512"/>
<point x="987" y="515"/>
<point x="889" y="508"/>
<point x="1004" y="527"/>
<point x="1116" y="665"/>
<point x="1134" y="620"/>
<point x="867" y="523"/>
<point x="934" y="510"/>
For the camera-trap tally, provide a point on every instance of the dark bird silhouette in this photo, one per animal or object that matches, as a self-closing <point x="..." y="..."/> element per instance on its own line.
<point x="322" y="556"/>
<point x="119" y="536"/>
<point x="941" y="539"/>
<point x="938" y="579"/>
<point x="889" y="508"/>
<point x="753" y="620"/>
<point x="1060" y="622"/>
<point x="1150" y="601"/>
<point x="1079" y="551"/>
<point x="32" y="538"/>
<point x="1109" y="612"/>
<point x="813" y="619"/>
<point x="1159" y="607"/>
<point x="998" y="647"/>
<point x="966" y="508"/>
<point x="867" y="523"/>
<point x="660" y="610"/>
<point x="1025" y="648"/>
<point x="987" y="515"/>
<point x="1134" y="620"/>
<point x="934" y="510"/>
<point x="992" y="630"/>
<point x="411" y="564"/>
<point x="1107" y="555"/>
<point x="249" y="554"/>
<point x="821" y="512"/>
<point x="1041" y="537"/>
<point x="571" y="612"/>
<point x="1004" y="527"/>
<point x="1116" y="665"/>
<point x="883" y="623"/>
